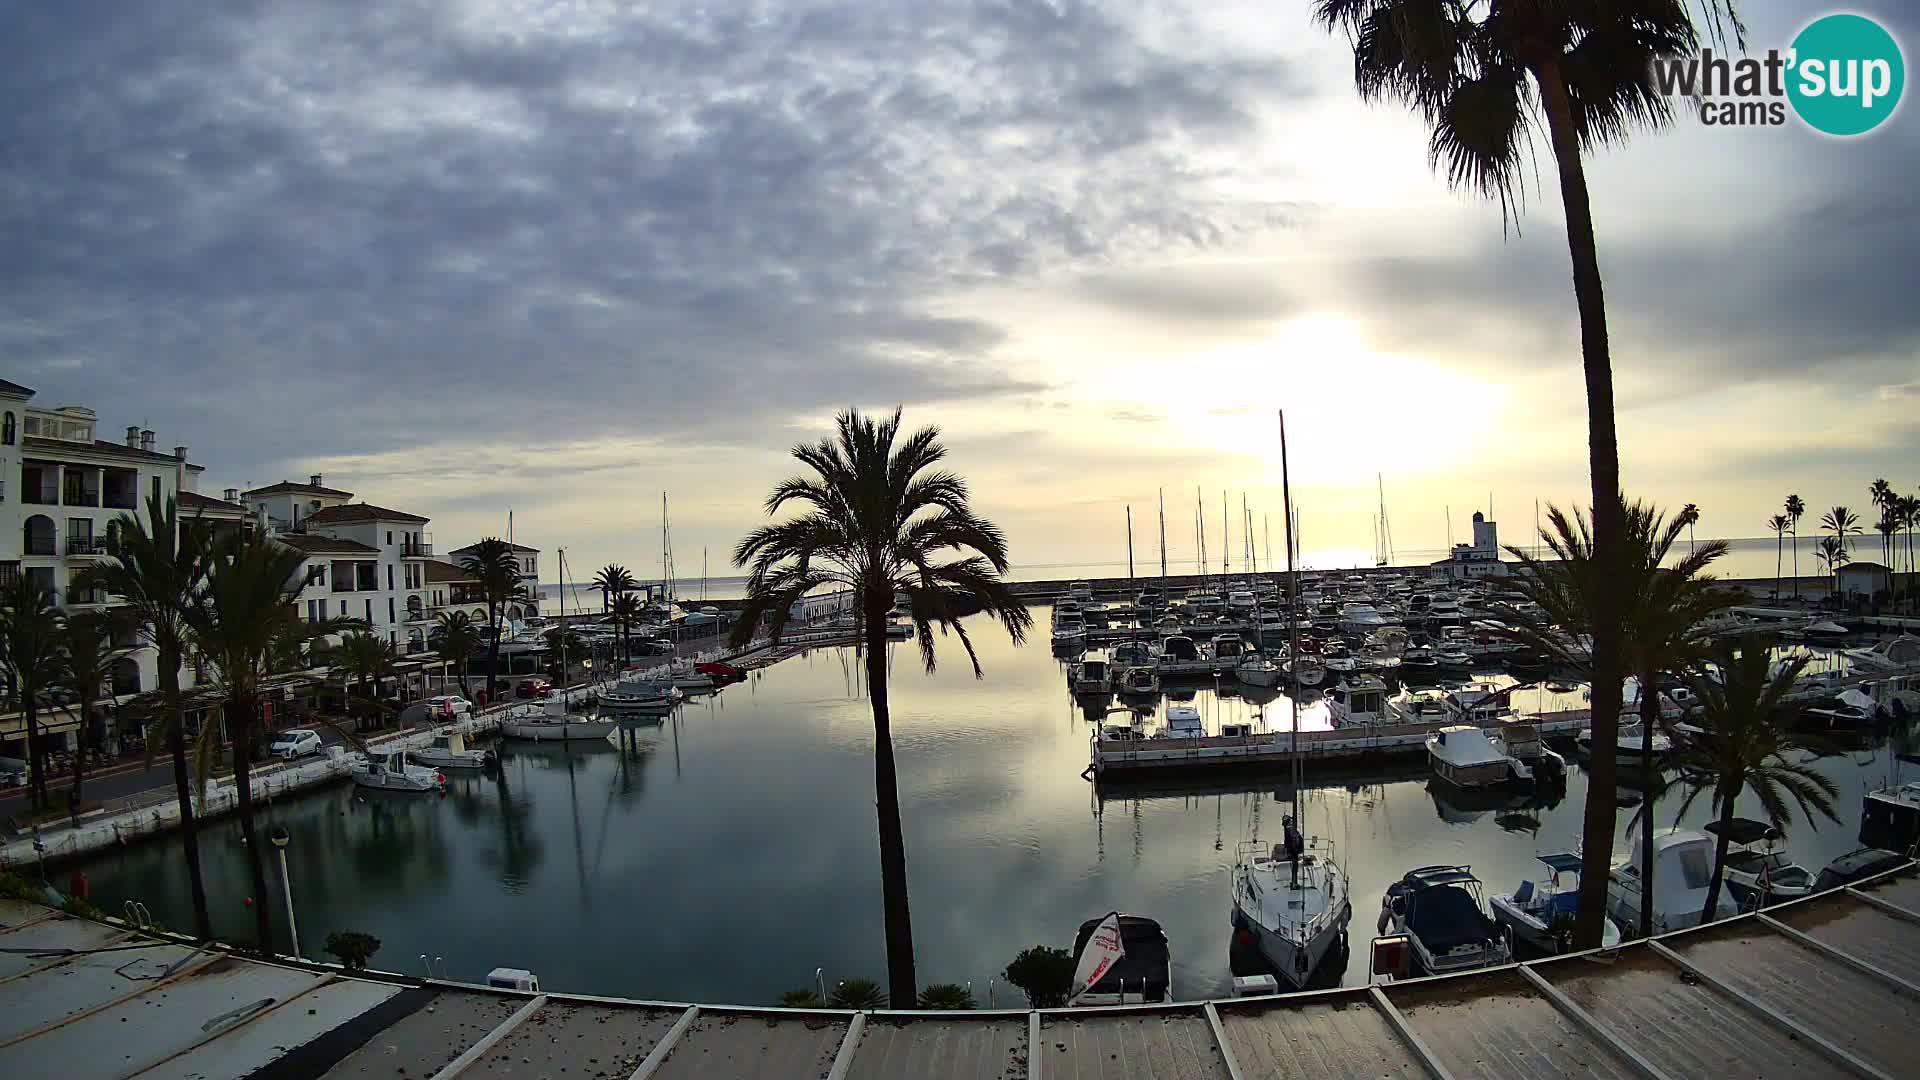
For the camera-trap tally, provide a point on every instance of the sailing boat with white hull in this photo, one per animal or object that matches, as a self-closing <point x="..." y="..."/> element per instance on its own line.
<point x="1293" y="898"/>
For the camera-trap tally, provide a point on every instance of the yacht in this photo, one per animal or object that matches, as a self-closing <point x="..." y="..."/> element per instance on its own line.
<point x="554" y="724"/>
<point x="1183" y="722"/>
<point x="1080" y="591"/>
<point x="1360" y="618"/>
<point x="1140" y="680"/>
<point x="1092" y="675"/>
<point x="1518" y="736"/>
<point x="1179" y="655"/>
<point x="1890" y="817"/>
<point x="1294" y="899"/>
<point x="1256" y="670"/>
<point x="1685" y="861"/>
<point x="1427" y="707"/>
<point x="1360" y="700"/>
<point x="1069" y="629"/>
<point x="1755" y="871"/>
<point x="1630" y="743"/>
<point x="1419" y="658"/>
<point x="1540" y="913"/>
<point x="1228" y="647"/>
<point x="394" y="772"/>
<point x="1306" y="670"/>
<point x="1895" y="652"/>
<point x="1241" y="601"/>
<point x="449" y="750"/>
<point x="641" y="694"/>
<point x="686" y="676"/>
<point x="1441" y="911"/>
<point x="1144" y="971"/>
<point x="1464" y="756"/>
<point x="1849" y="710"/>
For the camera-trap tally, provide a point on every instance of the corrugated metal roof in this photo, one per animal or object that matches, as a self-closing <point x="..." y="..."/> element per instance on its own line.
<point x="1824" y="987"/>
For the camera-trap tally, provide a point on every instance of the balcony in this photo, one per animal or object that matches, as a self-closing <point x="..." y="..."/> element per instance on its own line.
<point x="417" y="613"/>
<point x="9" y="574"/>
<point x="121" y="500"/>
<point x="40" y="496"/>
<point x="86" y="546"/>
<point x="417" y="549"/>
<point x="77" y="597"/>
<point x="76" y="495"/>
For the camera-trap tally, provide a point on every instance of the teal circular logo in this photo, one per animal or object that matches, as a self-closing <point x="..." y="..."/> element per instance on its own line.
<point x="1846" y="74"/>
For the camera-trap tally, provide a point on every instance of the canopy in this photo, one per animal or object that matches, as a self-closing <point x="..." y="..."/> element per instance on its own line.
<point x="1561" y="861"/>
<point x="1465" y="746"/>
<point x="1744" y="831"/>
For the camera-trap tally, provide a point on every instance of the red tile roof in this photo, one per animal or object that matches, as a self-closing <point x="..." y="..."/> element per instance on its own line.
<point x="325" y="545"/>
<point x="193" y="500"/>
<point x="338" y="515"/>
<point x="288" y="487"/>
<point x="113" y="449"/>
<point x="512" y="547"/>
<point x="441" y="572"/>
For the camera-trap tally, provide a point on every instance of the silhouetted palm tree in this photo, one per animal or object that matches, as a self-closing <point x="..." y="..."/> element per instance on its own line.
<point x="1841" y="522"/>
<point x="87" y="659"/>
<point x="612" y="580"/>
<point x="157" y="569"/>
<point x="1881" y="493"/>
<point x="252" y="585"/>
<point x="627" y="610"/>
<point x="1486" y="77"/>
<point x="1796" y="509"/>
<point x="1750" y="745"/>
<point x="30" y="640"/>
<point x="369" y="660"/>
<point x="1834" y="554"/>
<point x="1778" y="523"/>
<point x="1689" y="516"/>
<point x="877" y="517"/>
<point x="496" y="574"/>
<point x="459" y="640"/>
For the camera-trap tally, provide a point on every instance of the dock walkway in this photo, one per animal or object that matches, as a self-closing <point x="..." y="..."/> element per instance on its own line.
<point x="1826" y="986"/>
<point x="1280" y="747"/>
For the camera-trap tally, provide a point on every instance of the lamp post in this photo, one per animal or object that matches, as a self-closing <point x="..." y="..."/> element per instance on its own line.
<point x="280" y="840"/>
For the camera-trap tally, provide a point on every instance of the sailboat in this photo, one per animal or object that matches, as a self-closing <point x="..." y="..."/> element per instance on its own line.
<point x="1293" y="898"/>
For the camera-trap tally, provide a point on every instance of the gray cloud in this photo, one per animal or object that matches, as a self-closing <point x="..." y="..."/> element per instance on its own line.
<point x="326" y="227"/>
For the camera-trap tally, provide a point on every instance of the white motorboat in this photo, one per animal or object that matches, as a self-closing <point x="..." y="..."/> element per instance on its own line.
<point x="449" y="750"/>
<point x="1419" y="658"/>
<point x="1360" y="619"/>
<point x="1465" y="757"/>
<point x="1541" y="913"/>
<point x="686" y="676"/>
<point x="1069" y="629"/>
<point x="1256" y="670"/>
<point x="1630" y="742"/>
<point x="1241" y="601"/>
<point x="1183" y="722"/>
<point x="1359" y="700"/>
<point x="1441" y="911"/>
<point x="1758" y="873"/>
<point x="1684" y="858"/>
<point x="392" y="771"/>
<point x="1228" y="647"/>
<point x="1427" y="707"/>
<point x="1092" y="674"/>
<point x="641" y="694"/>
<point x="554" y="724"/>
<point x="1850" y="709"/>
<point x="1294" y="899"/>
<point x="1142" y="974"/>
<point x="1140" y="681"/>
<point x="1454" y="657"/>
<point x="1520" y="738"/>
<point x="1894" y="652"/>
<point x="1306" y="669"/>
<point x="1890" y="817"/>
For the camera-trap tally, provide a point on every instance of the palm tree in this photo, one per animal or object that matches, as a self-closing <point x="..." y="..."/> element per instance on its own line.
<point x="87" y="659"/>
<point x="1841" y="522"/>
<point x="30" y="638"/>
<point x="459" y="640"/>
<point x="1882" y="496"/>
<point x="252" y="584"/>
<point x="157" y="570"/>
<point x="1750" y="745"/>
<point x="877" y="516"/>
<point x="612" y="580"/>
<point x="1778" y="523"/>
<point x="1796" y="508"/>
<point x="1661" y="611"/>
<point x="1486" y="77"/>
<point x="1832" y="552"/>
<point x="1909" y="509"/>
<point x="1888" y="527"/>
<point x="627" y="610"/>
<point x="1689" y="516"/>
<point x="368" y="659"/>
<point x="496" y="572"/>
<point x="563" y="642"/>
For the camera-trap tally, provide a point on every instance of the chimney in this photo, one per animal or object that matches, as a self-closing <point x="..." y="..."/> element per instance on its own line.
<point x="146" y="440"/>
<point x="314" y="479"/>
<point x="232" y="495"/>
<point x="133" y="435"/>
<point x="179" y="453"/>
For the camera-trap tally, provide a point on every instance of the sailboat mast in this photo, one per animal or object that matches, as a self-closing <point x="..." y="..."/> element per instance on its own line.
<point x="1163" y="543"/>
<point x="1129" y="542"/>
<point x="562" y="552"/>
<point x="1293" y="635"/>
<point x="1226" y="538"/>
<point x="1200" y="527"/>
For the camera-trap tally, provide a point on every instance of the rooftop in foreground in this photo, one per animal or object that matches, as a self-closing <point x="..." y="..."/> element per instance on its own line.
<point x="1828" y="986"/>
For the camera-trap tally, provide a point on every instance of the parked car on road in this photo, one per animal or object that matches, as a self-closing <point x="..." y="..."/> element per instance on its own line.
<point x="448" y="706"/>
<point x="533" y="688"/>
<point x="298" y="742"/>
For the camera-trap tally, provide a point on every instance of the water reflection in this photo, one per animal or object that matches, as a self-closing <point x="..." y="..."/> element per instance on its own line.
<point x="723" y="852"/>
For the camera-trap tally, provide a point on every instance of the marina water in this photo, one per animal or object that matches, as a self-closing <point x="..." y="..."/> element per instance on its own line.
<point x="734" y="850"/>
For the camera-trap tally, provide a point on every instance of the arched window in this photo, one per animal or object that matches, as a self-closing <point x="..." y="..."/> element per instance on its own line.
<point x="40" y="537"/>
<point x="7" y="431"/>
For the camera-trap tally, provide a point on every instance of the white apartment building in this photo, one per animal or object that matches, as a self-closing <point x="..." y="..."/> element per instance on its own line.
<point x="61" y="490"/>
<point x="364" y="562"/>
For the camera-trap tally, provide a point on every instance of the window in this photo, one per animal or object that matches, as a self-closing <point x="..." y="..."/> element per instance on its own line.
<point x="390" y="617"/>
<point x="313" y="611"/>
<point x="156" y="488"/>
<point x="389" y="567"/>
<point x="1695" y="867"/>
<point x="389" y="537"/>
<point x="369" y="610"/>
<point x="7" y="430"/>
<point x="323" y="609"/>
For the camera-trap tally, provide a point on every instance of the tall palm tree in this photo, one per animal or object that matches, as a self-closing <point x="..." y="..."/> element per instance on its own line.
<point x="1796" y="508"/>
<point x="459" y="640"/>
<point x="496" y="572"/>
<point x="1486" y="77"/>
<point x="1661" y="610"/>
<point x="627" y="610"/>
<point x="369" y="660"/>
<point x="1833" y="553"/>
<point x="1778" y="523"/>
<point x="1888" y="527"/>
<point x="563" y="642"/>
<point x="30" y="639"/>
<point x="87" y="658"/>
<point x="1750" y="745"/>
<point x="157" y="570"/>
<point x="252" y="585"/>
<point x="1841" y="522"/>
<point x="881" y="521"/>
<point x="1909" y="509"/>
<point x="612" y="580"/>
<point x="1883" y="498"/>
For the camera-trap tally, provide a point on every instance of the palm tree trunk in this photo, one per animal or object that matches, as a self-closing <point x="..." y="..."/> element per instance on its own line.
<point x="1779" y="550"/>
<point x="80" y="747"/>
<point x="183" y="788"/>
<point x="1608" y="525"/>
<point x="902" y="986"/>
<point x="36" y="751"/>
<point x="1796" y="563"/>
<point x="240" y="726"/>
<point x="493" y="653"/>
<point x="1649" y="716"/>
<point x="1727" y="797"/>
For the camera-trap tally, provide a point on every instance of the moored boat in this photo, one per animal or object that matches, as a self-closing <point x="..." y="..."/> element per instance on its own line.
<point x="1142" y="972"/>
<point x="393" y="771"/>
<point x="450" y="751"/>
<point x="1540" y="914"/>
<point x="1756" y="872"/>
<point x="1441" y="911"/>
<point x="1465" y="757"/>
<point x="1684" y="858"/>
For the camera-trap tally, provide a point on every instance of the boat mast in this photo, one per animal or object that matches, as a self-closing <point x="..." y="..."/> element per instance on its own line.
<point x="1163" y="545"/>
<point x="562" y="552"/>
<point x="1226" y="538"/>
<point x="1200" y="528"/>
<point x="1129" y="542"/>
<point x="1293" y="638"/>
<point x="1386" y="529"/>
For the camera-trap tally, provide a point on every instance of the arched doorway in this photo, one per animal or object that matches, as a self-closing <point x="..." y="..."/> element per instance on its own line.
<point x="40" y="539"/>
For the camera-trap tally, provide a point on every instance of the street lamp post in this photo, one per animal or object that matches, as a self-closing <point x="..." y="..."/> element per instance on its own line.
<point x="280" y="840"/>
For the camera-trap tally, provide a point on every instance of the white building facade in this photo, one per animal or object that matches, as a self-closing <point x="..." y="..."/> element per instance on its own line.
<point x="528" y="560"/>
<point x="1480" y="559"/>
<point x="364" y="562"/>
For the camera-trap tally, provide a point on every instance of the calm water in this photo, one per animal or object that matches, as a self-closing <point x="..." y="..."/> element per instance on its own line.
<point x="735" y="851"/>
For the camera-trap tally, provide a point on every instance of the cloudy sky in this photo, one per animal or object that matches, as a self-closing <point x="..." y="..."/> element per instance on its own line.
<point x="562" y="256"/>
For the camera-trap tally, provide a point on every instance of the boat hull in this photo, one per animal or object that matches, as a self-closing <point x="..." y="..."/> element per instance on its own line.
<point x="465" y="759"/>
<point x="1486" y="775"/>
<point x="550" y="731"/>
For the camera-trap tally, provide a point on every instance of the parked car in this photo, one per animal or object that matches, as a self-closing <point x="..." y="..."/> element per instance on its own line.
<point x="533" y="688"/>
<point x="448" y="706"/>
<point x="299" y="742"/>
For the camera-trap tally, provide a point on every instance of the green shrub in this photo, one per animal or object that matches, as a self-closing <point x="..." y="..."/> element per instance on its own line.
<point x="1044" y="974"/>
<point x="352" y="948"/>
<point x="946" y="996"/>
<point x="858" y="994"/>
<point x="802" y="999"/>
